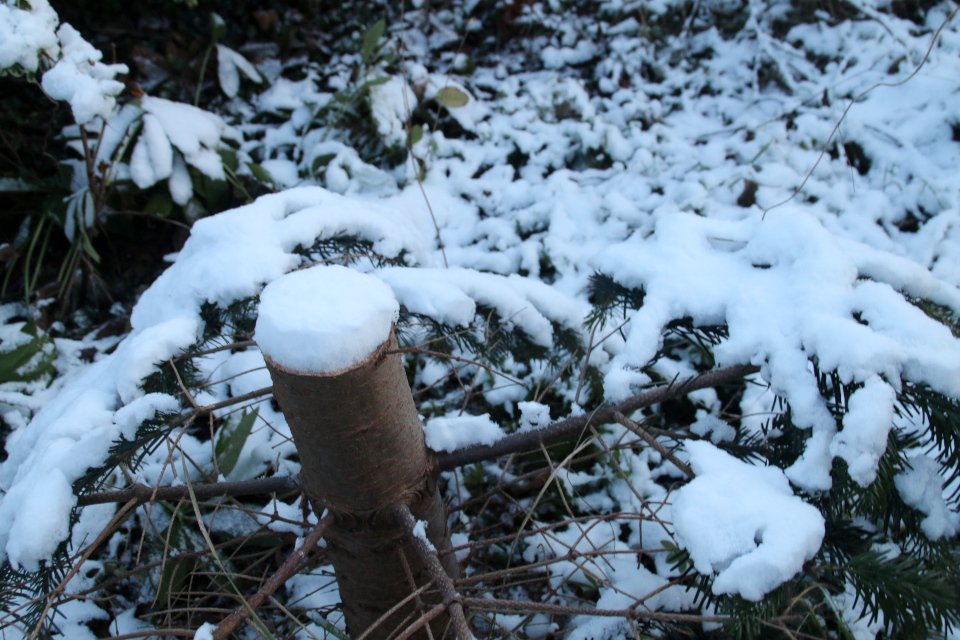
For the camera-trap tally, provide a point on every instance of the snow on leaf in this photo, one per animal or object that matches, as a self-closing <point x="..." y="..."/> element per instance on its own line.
<point x="81" y="79"/>
<point x="27" y="35"/>
<point x="152" y="158"/>
<point x="194" y="132"/>
<point x="229" y="66"/>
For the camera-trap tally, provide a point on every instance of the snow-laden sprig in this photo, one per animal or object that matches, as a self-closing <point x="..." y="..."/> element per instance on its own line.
<point x="81" y="79"/>
<point x="167" y="137"/>
<point x="28" y="37"/>
<point x="790" y="291"/>
<point x="31" y="42"/>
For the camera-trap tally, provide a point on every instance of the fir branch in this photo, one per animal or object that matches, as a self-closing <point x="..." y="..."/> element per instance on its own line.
<point x="607" y="296"/>
<point x="914" y="600"/>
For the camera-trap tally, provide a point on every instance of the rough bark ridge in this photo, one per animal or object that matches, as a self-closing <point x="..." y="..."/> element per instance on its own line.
<point x="363" y="452"/>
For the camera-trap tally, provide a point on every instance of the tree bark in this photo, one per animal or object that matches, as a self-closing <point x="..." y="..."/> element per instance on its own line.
<point x="363" y="453"/>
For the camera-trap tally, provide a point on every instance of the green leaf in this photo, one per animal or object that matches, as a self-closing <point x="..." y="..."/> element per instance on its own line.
<point x="231" y="442"/>
<point x="260" y="173"/>
<point x="376" y="82"/>
<point x="229" y="158"/>
<point x="451" y="97"/>
<point x="371" y="37"/>
<point x="218" y="27"/>
<point x="332" y="630"/>
<point x="160" y="204"/>
<point x="89" y="250"/>
<point x="321" y="161"/>
<point x="344" y="96"/>
<point x="416" y="134"/>
<point x="29" y="361"/>
<point x="174" y="578"/>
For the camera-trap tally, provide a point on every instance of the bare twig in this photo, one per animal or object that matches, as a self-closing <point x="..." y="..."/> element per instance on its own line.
<point x="290" y="567"/>
<point x="142" y="493"/>
<point x="447" y="356"/>
<point x="516" y="606"/>
<point x="233" y="345"/>
<point x="206" y="410"/>
<point x="392" y="610"/>
<point x="421" y="621"/>
<point x="653" y="442"/>
<point x="153" y="633"/>
<point x="428" y="555"/>
<point x="119" y="517"/>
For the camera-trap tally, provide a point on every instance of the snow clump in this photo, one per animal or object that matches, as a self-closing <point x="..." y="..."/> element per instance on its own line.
<point x="324" y="319"/>
<point x="743" y="523"/>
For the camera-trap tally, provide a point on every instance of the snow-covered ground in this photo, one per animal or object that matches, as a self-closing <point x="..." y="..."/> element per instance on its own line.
<point x="796" y="184"/>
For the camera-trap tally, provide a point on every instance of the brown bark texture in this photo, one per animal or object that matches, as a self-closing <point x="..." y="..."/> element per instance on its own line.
<point x="363" y="452"/>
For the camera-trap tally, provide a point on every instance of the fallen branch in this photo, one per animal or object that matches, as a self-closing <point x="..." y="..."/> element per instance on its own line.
<point x="143" y="494"/>
<point x="521" y="606"/>
<point x="604" y="414"/>
<point x="516" y="443"/>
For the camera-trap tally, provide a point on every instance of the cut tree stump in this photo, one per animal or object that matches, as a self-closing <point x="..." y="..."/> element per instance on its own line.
<point x="362" y="448"/>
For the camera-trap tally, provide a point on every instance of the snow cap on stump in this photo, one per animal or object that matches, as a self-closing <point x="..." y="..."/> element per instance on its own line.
<point x="324" y="319"/>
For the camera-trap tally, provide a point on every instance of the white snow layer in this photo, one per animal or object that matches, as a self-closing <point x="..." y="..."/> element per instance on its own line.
<point x="789" y="291"/>
<point x="743" y="523"/>
<point x="823" y="278"/>
<point x="920" y="487"/>
<point x="324" y="319"/>
<point x="456" y="432"/>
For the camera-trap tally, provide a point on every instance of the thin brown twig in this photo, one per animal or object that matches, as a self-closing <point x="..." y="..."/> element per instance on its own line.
<point x="143" y="214"/>
<point x="152" y="633"/>
<point x="233" y="345"/>
<point x="290" y="566"/>
<point x="425" y="619"/>
<point x="205" y="410"/>
<point x="428" y="555"/>
<point x="621" y="419"/>
<point x="419" y="605"/>
<point x="392" y="610"/>
<point x="493" y="604"/>
<point x="447" y="356"/>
